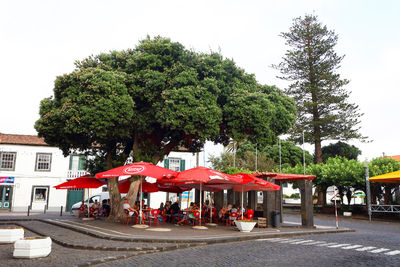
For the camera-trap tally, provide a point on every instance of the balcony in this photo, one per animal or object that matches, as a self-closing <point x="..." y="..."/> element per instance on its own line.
<point x="75" y="174"/>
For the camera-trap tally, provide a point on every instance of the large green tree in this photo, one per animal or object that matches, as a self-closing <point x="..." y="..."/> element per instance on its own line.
<point x="379" y="166"/>
<point x="340" y="149"/>
<point x="171" y="97"/>
<point x="311" y="64"/>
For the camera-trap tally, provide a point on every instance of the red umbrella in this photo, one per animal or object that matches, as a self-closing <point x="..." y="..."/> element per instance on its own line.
<point x="147" y="187"/>
<point x="139" y="168"/>
<point x="81" y="182"/>
<point x="213" y="179"/>
<point x="252" y="183"/>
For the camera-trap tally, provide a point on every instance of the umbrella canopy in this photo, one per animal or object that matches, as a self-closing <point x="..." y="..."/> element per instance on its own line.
<point x="147" y="187"/>
<point x="138" y="168"/>
<point x="81" y="182"/>
<point x="202" y="175"/>
<point x="391" y="177"/>
<point x="250" y="183"/>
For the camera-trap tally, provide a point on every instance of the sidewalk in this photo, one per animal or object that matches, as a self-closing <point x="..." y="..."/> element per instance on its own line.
<point x="51" y="224"/>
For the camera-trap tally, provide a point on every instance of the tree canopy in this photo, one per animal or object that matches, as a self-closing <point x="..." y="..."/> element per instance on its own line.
<point x="146" y="101"/>
<point x="311" y="64"/>
<point x="340" y="149"/>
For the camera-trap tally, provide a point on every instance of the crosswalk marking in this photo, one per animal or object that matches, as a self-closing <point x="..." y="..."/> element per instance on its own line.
<point x="301" y="242"/>
<point x="352" y="247"/>
<point x="326" y="244"/>
<point x="338" y="245"/>
<point x="394" y="252"/>
<point x="315" y="243"/>
<point x="379" y="250"/>
<point x="310" y="242"/>
<point x="365" y="248"/>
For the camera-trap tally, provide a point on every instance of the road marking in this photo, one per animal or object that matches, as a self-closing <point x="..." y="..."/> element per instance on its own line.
<point x="394" y="252"/>
<point x="365" y="248"/>
<point x="379" y="250"/>
<point x="314" y="243"/>
<point x="290" y="241"/>
<point x="302" y="242"/>
<point x="352" y="247"/>
<point x="338" y="245"/>
<point x="326" y="244"/>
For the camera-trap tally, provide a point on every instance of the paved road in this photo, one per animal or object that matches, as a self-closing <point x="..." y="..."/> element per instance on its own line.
<point x="373" y="244"/>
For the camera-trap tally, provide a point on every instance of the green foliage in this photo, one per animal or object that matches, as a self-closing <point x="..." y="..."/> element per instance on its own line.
<point x="244" y="160"/>
<point x="340" y="149"/>
<point x="379" y="166"/>
<point x="295" y="195"/>
<point x="146" y="101"/>
<point x="322" y="104"/>
<point x="290" y="154"/>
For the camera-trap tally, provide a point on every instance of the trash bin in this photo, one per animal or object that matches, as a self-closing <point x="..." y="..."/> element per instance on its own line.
<point x="276" y="219"/>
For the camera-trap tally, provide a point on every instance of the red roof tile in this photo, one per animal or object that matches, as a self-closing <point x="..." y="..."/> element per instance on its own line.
<point x="397" y="157"/>
<point x="19" y="139"/>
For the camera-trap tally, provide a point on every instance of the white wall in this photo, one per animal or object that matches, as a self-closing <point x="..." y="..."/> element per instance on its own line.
<point x="26" y="176"/>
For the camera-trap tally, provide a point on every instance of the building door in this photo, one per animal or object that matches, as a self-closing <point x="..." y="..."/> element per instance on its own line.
<point x="5" y="197"/>
<point x="74" y="196"/>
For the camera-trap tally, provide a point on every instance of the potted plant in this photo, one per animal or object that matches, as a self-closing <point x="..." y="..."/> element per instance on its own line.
<point x="10" y="234"/>
<point x="245" y="225"/>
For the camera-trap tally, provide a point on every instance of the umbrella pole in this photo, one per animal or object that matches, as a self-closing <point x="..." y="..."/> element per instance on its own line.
<point x="200" y="203"/>
<point x="141" y="190"/>
<point x="210" y="207"/>
<point x="242" y="203"/>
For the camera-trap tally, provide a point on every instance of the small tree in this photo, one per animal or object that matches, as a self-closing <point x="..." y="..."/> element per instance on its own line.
<point x="379" y="166"/>
<point x="321" y="100"/>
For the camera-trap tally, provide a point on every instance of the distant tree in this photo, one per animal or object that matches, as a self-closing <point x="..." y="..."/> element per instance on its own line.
<point x="147" y="101"/>
<point x="322" y="102"/>
<point x="379" y="166"/>
<point x="340" y="149"/>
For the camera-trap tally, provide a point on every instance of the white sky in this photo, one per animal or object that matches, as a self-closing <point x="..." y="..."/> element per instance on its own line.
<point x="41" y="40"/>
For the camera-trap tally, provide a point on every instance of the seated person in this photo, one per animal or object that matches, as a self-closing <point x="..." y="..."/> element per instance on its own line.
<point x="105" y="208"/>
<point x="127" y="207"/>
<point x="95" y="209"/>
<point x="249" y="214"/>
<point x="175" y="210"/>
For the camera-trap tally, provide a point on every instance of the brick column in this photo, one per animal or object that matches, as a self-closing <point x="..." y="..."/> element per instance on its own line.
<point x="230" y="197"/>
<point x="219" y="199"/>
<point x="307" y="216"/>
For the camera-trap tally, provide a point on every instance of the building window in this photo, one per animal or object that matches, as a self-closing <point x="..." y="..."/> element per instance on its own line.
<point x="7" y="160"/>
<point x="284" y="184"/>
<point x="40" y="194"/>
<point x="43" y="162"/>
<point x="174" y="164"/>
<point x="77" y="163"/>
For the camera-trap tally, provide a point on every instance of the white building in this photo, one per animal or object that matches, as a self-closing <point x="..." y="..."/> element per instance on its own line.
<point x="30" y="168"/>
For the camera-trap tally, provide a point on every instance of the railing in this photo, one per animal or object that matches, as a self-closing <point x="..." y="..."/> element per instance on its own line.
<point x="386" y="208"/>
<point x="75" y="174"/>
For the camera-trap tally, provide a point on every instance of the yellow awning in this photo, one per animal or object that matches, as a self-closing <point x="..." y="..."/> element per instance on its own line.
<point x="391" y="177"/>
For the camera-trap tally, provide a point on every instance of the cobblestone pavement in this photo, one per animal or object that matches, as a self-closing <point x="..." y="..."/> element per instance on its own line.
<point x="78" y="239"/>
<point x="59" y="256"/>
<point x="373" y="244"/>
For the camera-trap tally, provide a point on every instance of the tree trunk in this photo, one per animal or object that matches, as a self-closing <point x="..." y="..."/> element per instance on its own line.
<point x="318" y="151"/>
<point x="116" y="213"/>
<point x="348" y="195"/>
<point x="133" y="190"/>
<point x="388" y="195"/>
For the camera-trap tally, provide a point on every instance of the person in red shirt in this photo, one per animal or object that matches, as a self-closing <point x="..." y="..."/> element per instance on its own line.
<point x="249" y="214"/>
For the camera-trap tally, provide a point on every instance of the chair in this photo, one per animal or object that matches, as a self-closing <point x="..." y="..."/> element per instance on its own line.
<point x="129" y="219"/>
<point x="232" y="217"/>
<point x="81" y="212"/>
<point x="196" y="220"/>
<point x="154" y="216"/>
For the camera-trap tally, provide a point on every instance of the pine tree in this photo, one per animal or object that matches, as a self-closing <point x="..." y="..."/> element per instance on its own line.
<point x="310" y="64"/>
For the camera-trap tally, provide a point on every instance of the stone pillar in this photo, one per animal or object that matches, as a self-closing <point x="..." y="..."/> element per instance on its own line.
<point x="269" y="206"/>
<point x="237" y="198"/>
<point x="252" y="199"/>
<point x="279" y="199"/>
<point x="219" y="199"/>
<point x="307" y="217"/>
<point x="230" y="197"/>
